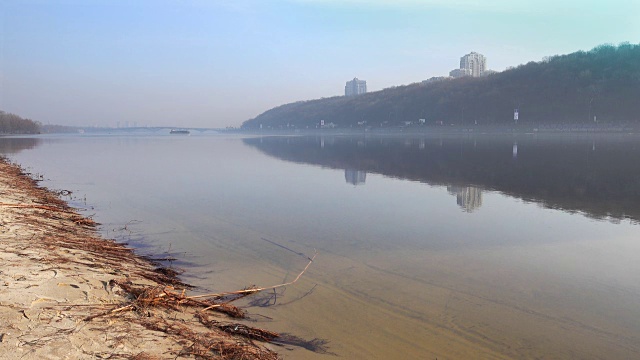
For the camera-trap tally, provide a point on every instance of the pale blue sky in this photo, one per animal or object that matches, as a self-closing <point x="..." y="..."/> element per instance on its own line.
<point x="217" y="63"/>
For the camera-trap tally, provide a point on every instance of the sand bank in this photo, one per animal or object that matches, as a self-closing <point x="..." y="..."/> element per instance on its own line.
<point x="57" y="273"/>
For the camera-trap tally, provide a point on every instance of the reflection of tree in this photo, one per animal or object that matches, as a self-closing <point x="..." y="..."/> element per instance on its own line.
<point x="15" y="145"/>
<point x="557" y="172"/>
<point x="469" y="198"/>
<point x="355" y="177"/>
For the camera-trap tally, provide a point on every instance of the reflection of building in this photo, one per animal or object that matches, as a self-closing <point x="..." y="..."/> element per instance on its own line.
<point x="355" y="177"/>
<point x="469" y="198"/>
<point x="355" y="87"/>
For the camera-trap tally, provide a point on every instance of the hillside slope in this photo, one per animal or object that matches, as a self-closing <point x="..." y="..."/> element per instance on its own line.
<point x="603" y="83"/>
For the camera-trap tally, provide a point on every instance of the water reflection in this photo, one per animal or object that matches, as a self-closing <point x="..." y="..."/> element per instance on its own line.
<point x="355" y="177"/>
<point x="10" y="145"/>
<point x="570" y="173"/>
<point x="469" y="198"/>
<point x="403" y="271"/>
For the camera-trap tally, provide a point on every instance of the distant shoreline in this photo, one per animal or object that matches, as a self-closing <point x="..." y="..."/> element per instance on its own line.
<point x="559" y="128"/>
<point x="450" y="130"/>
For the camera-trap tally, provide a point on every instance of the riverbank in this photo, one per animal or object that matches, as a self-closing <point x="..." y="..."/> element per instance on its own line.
<point x="66" y="293"/>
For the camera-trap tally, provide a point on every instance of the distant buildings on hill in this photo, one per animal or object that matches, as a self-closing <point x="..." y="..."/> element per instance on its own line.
<point x="458" y="73"/>
<point x="355" y="87"/>
<point x="472" y="64"/>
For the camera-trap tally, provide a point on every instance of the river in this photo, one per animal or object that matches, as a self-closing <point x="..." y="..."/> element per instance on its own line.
<point x="428" y="247"/>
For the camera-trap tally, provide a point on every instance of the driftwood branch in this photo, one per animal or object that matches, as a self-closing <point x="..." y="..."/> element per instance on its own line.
<point x="110" y="312"/>
<point x="167" y="297"/>
<point x="255" y="290"/>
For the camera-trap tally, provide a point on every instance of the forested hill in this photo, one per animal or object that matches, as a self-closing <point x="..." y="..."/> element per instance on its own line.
<point x="566" y="89"/>
<point x="14" y="124"/>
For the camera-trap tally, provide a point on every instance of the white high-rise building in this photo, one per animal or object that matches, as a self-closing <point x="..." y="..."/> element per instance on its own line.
<point x="355" y="87"/>
<point x="475" y="62"/>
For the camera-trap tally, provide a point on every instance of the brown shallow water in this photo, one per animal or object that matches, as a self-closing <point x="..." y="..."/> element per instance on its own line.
<point x="429" y="247"/>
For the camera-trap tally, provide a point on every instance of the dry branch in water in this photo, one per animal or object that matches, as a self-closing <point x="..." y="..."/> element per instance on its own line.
<point x="143" y="299"/>
<point x="255" y="290"/>
<point x="164" y="296"/>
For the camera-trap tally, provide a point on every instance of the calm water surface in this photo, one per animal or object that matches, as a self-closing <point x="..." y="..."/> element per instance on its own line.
<point x="447" y="247"/>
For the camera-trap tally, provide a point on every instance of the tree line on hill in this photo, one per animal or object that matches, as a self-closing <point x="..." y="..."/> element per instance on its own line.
<point x="600" y="86"/>
<point x="14" y="124"/>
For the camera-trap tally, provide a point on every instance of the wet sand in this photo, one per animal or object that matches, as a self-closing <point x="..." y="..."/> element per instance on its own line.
<point x="56" y="271"/>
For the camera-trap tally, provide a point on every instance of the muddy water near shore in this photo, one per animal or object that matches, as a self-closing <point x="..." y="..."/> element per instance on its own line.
<point x="428" y="247"/>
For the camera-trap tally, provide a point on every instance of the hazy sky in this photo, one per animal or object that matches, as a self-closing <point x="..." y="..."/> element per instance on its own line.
<point x="217" y="63"/>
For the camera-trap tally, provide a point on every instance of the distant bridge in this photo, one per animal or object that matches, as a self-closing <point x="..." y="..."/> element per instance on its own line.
<point x="151" y="129"/>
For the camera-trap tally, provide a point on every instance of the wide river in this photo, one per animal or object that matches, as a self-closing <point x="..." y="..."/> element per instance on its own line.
<point x="448" y="247"/>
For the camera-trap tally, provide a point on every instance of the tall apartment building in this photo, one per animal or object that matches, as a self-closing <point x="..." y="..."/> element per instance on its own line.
<point x="355" y="87"/>
<point x="475" y="62"/>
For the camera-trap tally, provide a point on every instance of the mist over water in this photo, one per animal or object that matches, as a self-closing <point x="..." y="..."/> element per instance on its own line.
<point x="460" y="247"/>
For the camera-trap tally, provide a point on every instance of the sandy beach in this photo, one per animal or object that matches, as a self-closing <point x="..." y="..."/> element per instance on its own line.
<point x="66" y="293"/>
